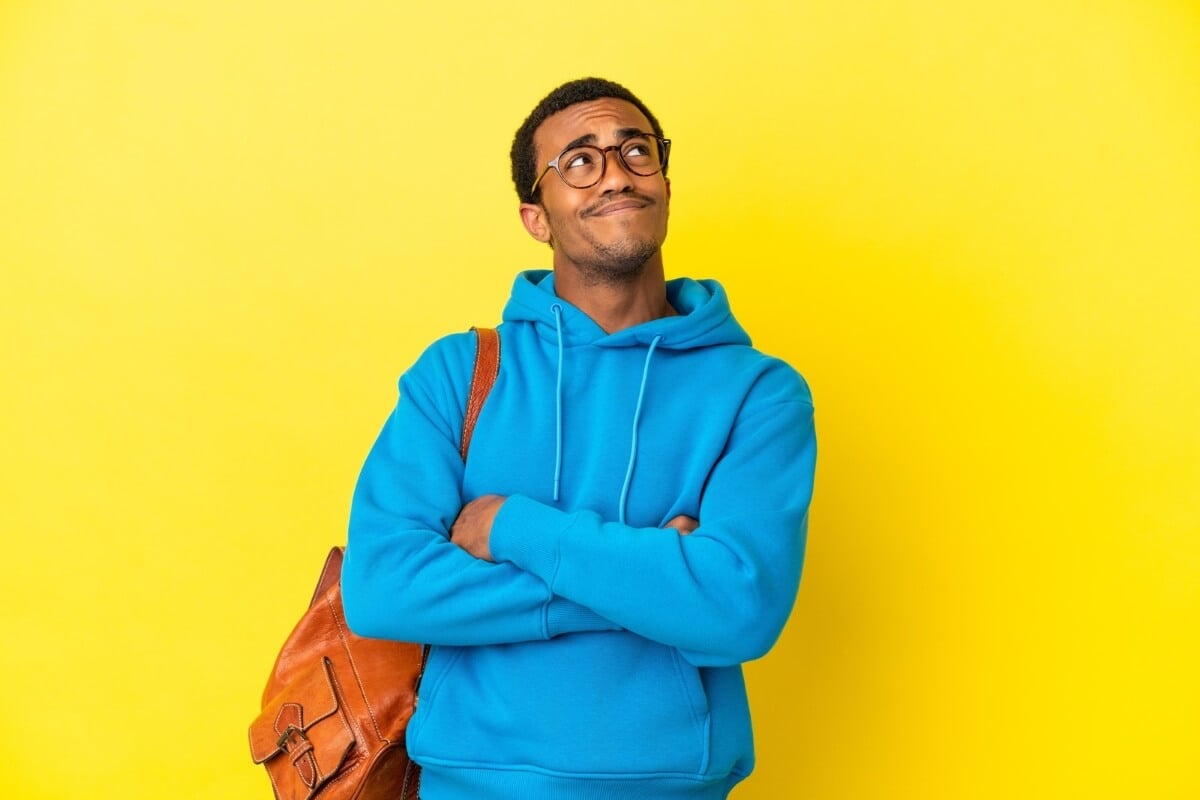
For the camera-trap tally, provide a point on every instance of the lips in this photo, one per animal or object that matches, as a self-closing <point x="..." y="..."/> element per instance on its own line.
<point x="628" y="203"/>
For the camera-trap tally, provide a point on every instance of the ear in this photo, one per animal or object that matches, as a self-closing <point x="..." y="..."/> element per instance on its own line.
<point x="533" y="217"/>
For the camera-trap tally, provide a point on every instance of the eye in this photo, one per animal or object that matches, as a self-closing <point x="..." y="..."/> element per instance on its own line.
<point x="576" y="160"/>
<point x="638" y="151"/>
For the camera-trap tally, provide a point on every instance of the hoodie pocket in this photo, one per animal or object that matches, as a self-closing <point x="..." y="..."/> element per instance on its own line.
<point x="607" y="704"/>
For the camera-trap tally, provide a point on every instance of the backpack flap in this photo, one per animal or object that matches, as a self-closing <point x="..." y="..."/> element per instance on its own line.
<point x="303" y="736"/>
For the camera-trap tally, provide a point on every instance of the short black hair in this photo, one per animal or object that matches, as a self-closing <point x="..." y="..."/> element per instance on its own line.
<point x="582" y="90"/>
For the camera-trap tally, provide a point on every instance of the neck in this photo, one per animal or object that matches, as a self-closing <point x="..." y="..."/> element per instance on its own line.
<point x="616" y="305"/>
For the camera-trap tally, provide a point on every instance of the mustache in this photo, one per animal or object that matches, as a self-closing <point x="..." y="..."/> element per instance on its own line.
<point x="628" y="194"/>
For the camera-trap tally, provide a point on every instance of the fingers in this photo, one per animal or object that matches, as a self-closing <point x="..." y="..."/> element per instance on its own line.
<point x="683" y="524"/>
<point x="472" y="530"/>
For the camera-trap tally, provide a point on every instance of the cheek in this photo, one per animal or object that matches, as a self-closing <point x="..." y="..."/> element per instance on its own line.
<point x="564" y="223"/>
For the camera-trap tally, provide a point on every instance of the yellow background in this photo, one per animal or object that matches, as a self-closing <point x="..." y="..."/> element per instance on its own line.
<point x="226" y="227"/>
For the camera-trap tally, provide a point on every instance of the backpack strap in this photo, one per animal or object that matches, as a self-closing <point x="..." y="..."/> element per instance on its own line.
<point x="487" y="367"/>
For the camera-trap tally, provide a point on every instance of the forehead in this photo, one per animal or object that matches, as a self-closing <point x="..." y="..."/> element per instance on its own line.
<point x="601" y="118"/>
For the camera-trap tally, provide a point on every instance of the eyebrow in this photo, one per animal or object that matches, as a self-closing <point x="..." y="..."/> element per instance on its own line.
<point x="590" y="138"/>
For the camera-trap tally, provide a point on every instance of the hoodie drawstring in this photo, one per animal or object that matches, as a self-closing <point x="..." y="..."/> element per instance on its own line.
<point x="637" y="415"/>
<point x="557" y="309"/>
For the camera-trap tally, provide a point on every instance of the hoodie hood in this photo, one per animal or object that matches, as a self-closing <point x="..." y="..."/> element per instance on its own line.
<point x="704" y="316"/>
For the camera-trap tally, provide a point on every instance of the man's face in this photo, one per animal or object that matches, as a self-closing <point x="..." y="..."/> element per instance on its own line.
<point x="610" y="231"/>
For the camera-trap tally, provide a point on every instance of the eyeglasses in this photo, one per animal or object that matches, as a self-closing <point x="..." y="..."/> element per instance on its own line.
<point x="583" y="166"/>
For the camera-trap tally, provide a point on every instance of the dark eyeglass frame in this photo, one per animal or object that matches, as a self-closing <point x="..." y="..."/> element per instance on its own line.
<point x="664" y="150"/>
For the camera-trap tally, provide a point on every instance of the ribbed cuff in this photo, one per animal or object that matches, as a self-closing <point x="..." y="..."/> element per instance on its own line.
<point x="526" y="533"/>
<point x="567" y="616"/>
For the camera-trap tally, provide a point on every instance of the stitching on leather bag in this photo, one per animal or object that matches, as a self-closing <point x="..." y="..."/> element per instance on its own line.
<point x="483" y="374"/>
<point x="354" y="668"/>
<point x="357" y="676"/>
<point x="472" y="400"/>
<point x="342" y="713"/>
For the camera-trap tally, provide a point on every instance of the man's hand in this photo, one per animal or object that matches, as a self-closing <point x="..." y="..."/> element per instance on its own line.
<point x="472" y="531"/>
<point x="684" y="525"/>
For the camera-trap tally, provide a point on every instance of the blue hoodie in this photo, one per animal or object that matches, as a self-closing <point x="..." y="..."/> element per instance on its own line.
<point x="599" y="656"/>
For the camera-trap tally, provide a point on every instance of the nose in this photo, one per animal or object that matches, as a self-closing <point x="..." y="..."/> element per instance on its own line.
<point x="615" y="178"/>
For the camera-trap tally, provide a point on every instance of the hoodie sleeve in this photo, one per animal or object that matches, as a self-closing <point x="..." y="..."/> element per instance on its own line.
<point x="402" y="578"/>
<point x="722" y="594"/>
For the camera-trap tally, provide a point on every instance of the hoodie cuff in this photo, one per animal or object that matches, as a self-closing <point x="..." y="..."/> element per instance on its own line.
<point x="566" y="616"/>
<point x="526" y="533"/>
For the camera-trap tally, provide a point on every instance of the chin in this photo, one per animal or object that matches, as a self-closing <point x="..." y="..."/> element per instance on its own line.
<point x="621" y="261"/>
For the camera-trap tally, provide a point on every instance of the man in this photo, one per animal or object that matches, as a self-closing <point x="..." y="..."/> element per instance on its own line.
<point x="630" y="525"/>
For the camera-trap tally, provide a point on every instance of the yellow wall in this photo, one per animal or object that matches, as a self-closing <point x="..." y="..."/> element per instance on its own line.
<point x="226" y="227"/>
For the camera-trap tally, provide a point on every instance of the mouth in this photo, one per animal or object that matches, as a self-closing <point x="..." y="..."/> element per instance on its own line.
<point x="621" y="205"/>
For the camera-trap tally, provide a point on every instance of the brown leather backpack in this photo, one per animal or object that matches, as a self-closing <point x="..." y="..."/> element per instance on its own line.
<point x="336" y="706"/>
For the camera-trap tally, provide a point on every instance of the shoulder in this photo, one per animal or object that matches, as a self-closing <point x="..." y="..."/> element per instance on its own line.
<point x="450" y="351"/>
<point x="442" y="373"/>
<point x="767" y="380"/>
<point x="782" y="377"/>
<point x="778" y="390"/>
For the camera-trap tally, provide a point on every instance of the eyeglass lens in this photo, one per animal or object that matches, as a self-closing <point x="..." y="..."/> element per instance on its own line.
<point x="583" y="166"/>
